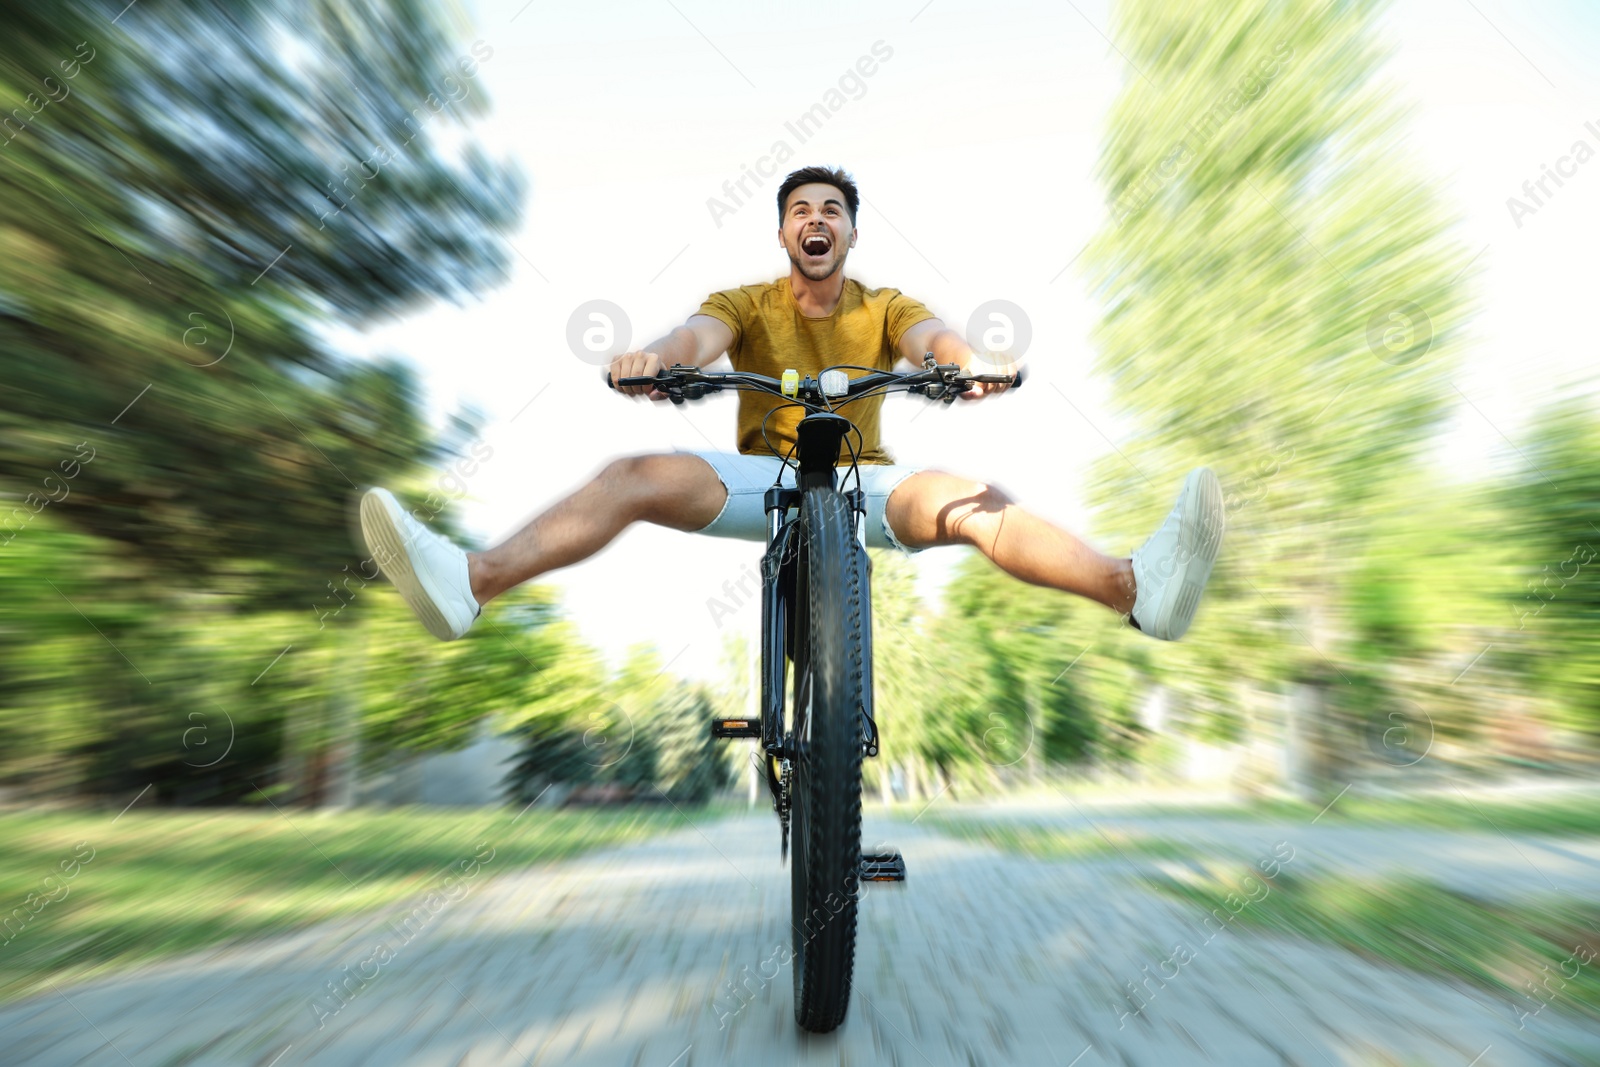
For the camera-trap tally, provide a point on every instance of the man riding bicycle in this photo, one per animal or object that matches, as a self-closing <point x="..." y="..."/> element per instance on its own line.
<point x="813" y="319"/>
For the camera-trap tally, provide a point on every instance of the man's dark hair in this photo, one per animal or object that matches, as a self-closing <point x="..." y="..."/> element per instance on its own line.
<point x="829" y="175"/>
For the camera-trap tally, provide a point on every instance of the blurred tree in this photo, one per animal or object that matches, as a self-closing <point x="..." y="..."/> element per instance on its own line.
<point x="690" y="767"/>
<point x="427" y="697"/>
<point x="550" y="752"/>
<point x="106" y="693"/>
<point x="556" y="717"/>
<point x="902" y="673"/>
<point x="621" y="731"/>
<point x="1282" y="302"/>
<point x="205" y="185"/>
<point x="977" y="693"/>
<point x="734" y="694"/>
<point x="1424" y="605"/>
<point x="1023" y="643"/>
<point x="640" y="729"/>
<point x="1553" y="623"/>
<point x="192" y="192"/>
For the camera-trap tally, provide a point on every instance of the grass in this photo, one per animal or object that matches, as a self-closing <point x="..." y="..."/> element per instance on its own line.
<point x="156" y="884"/>
<point x="1576" y="815"/>
<point x="1571" y="815"/>
<point x="1547" y="948"/>
<point x="1051" y="843"/>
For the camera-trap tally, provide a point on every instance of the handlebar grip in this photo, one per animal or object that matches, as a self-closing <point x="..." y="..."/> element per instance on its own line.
<point x="1013" y="381"/>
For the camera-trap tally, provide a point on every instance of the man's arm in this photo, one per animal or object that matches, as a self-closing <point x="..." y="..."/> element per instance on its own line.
<point x="947" y="346"/>
<point x="698" y="342"/>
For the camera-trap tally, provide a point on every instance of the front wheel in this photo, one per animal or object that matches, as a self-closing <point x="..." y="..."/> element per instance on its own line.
<point x="829" y="682"/>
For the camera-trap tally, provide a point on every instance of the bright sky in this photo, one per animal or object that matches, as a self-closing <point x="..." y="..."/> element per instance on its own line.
<point x="974" y="145"/>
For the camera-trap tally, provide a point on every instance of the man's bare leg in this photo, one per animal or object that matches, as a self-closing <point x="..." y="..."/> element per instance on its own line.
<point x="933" y="508"/>
<point x="675" y="489"/>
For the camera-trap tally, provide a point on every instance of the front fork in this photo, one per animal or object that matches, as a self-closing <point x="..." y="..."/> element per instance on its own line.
<point x="780" y="614"/>
<point x="779" y="565"/>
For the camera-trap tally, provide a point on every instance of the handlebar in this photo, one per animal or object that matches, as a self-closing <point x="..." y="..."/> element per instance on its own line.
<point x="936" y="381"/>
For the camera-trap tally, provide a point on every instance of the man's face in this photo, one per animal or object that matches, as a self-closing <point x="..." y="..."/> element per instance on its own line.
<point x="816" y="230"/>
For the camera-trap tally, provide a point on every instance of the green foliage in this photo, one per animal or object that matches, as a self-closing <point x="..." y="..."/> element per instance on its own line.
<point x="1554" y="614"/>
<point x="140" y="213"/>
<point x="198" y="199"/>
<point x="422" y="696"/>
<point x="1240" y="294"/>
<point x="996" y="699"/>
<point x="641" y="730"/>
<point x="551" y="751"/>
<point x="110" y="693"/>
<point x="1283" y="300"/>
<point x="1267" y="222"/>
<point x="689" y="768"/>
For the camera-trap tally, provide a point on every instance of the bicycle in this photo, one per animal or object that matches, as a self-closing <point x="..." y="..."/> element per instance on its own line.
<point x="816" y="645"/>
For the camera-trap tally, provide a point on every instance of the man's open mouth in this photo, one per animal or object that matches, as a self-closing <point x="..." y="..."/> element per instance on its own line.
<point x="816" y="244"/>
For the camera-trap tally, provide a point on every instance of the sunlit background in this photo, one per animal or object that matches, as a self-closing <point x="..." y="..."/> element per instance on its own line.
<point x="256" y="257"/>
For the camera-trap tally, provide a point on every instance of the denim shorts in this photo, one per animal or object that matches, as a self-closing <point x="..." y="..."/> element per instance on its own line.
<point x="747" y="478"/>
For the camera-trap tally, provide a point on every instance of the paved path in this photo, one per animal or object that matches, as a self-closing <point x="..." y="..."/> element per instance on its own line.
<point x="623" y="957"/>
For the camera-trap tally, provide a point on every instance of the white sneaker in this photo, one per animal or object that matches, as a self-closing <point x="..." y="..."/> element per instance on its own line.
<point x="1170" y="570"/>
<point x="428" y="571"/>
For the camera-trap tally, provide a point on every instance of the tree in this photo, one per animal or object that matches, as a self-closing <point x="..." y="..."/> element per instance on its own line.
<point x="191" y="193"/>
<point x="736" y="694"/>
<point x="901" y="668"/>
<point x="1282" y="302"/>
<point x="171" y="212"/>
<point x="1553" y="618"/>
<point x="1025" y="644"/>
<point x="689" y="765"/>
<point x="567" y="734"/>
<point x="640" y="729"/>
<point x="425" y="697"/>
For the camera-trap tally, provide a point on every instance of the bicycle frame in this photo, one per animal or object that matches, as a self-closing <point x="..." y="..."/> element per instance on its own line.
<point x="820" y="437"/>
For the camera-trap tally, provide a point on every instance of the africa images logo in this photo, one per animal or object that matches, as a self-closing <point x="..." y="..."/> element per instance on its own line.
<point x="1566" y="167"/>
<point x="803" y="128"/>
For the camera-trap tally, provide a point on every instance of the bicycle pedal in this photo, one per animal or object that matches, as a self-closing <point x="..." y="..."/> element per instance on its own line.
<point x="883" y="867"/>
<point x="735" y="727"/>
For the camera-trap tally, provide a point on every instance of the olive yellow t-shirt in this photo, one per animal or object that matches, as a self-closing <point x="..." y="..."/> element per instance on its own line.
<point x="770" y="335"/>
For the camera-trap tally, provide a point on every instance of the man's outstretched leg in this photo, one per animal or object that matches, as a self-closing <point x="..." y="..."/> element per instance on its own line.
<point x="1158" y="589"/>
<point x="446" y="586"/>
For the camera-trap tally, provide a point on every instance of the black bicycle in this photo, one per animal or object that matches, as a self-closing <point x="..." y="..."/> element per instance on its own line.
<point x="816" y="649"/>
